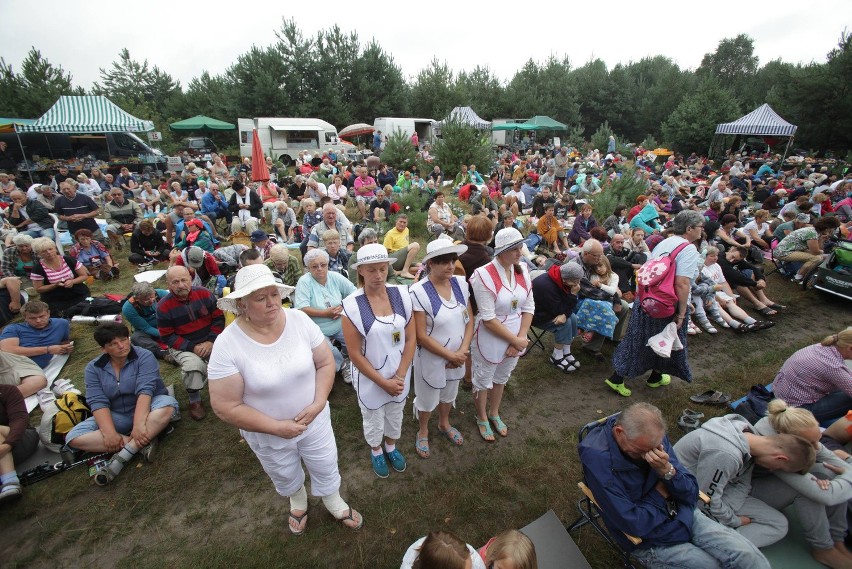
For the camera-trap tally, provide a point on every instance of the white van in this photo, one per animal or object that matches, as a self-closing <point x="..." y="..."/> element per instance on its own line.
<point x="425" y="128"/>
<point x="285" y="138"/>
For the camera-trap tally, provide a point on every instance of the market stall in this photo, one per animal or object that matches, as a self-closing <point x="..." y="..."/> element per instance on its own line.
<point x="85" y="132"/>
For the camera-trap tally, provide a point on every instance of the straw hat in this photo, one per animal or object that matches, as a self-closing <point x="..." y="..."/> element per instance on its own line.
<point x="250" y="279"/>
<point x="507" y="239"/>
<point x="372" y="253"/>
<point x="440" y="247"/>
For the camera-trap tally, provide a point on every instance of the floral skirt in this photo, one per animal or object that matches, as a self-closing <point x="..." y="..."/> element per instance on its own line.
<point x="633" y="357"/>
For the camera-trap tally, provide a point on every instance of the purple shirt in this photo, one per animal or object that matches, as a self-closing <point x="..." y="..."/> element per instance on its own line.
<point x="812" y="373"/>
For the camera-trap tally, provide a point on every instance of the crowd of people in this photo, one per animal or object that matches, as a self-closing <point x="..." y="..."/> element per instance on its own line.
<point x="304" y="305"/>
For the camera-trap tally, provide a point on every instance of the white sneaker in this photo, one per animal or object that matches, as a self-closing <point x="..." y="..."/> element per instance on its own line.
<point x="46" y="399"/>
<point x="11" y="492"/>
<point x="62" y="386"/>
<point x="346" y="372"/>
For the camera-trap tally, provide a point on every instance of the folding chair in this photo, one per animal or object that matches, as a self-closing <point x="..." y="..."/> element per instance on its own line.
<point x="590" y="512"/>
<point x="536" y="336"/>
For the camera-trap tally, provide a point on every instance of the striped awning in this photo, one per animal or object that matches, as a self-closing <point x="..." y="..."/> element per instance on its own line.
<point x="467" y="115"/>
<point x="762" y="121"/>
<point x="86" y="114"/>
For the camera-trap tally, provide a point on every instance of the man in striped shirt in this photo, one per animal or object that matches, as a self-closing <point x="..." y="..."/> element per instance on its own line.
<point x="189" y="321"/>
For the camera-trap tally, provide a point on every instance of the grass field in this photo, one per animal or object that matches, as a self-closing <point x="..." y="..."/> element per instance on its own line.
<point x="206" y="502"/>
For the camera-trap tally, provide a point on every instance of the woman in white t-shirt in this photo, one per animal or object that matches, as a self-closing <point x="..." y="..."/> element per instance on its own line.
<point x="758" y="229"/>
<point x="270" y="374"/>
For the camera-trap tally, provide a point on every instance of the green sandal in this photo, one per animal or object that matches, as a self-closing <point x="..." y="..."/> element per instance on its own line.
<point x="619" y="388"/>
<point x="485" y="431"/>
<point x="665" y="379"/>
<point x="499" y="426"/>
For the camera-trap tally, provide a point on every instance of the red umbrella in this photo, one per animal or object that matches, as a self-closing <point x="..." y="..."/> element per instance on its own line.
<point x="259" y="171"/>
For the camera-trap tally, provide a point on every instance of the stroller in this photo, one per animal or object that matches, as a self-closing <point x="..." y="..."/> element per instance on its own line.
<point x="834" y="275"/>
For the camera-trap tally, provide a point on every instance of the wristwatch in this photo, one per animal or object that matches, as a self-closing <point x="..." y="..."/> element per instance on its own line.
<point x="670" y="473"/>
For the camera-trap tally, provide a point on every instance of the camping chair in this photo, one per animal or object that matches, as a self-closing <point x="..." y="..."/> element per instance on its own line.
<point x="590" y="512"/>
<point x="536" y="336"/>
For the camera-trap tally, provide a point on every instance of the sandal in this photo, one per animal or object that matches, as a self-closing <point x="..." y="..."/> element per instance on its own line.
<point x="766" y="311"/>
<point x="776" y="306"/>
<point x="692" y="414"/>
<point x="572" y="361"/>
<point x="453" y="435"/>
<point x="485" y="430"/>
<point x="711" y="397"/>
<point x="763" y="325"/>
<point x="619" y="388"/>
<point x="746" y="328"/>
<point x="665" y="379"/>
<point x="499" y="426"/>
<point x="298" y="520"/>
<point x="350" y="517"/>
<point x="421" y="447"/>
<point x="688" y="424"/>
<point x="563" y="364"/>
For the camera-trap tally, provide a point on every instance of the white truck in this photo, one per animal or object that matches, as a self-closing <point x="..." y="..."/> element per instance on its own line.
<point x="284" y="138"/>
<point x="425" y="128"/>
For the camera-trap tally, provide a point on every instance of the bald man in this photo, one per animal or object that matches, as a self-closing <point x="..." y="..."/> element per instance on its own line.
<point x="189" y="322"/>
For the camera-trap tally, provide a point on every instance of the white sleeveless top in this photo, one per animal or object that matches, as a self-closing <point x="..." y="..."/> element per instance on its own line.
<point x="384" y="341"/>
<point x="446" y="320"/>
<point x="509" y="298"/>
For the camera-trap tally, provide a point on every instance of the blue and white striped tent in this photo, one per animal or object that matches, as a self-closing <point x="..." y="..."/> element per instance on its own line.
<point x="466" y="115"/>
<point x="86" y="114"/>
<point x="762" y="121"/>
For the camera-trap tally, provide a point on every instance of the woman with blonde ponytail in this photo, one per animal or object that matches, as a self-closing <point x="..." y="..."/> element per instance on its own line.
<point x="817" y="378"/>
<point x="820" y="496"/>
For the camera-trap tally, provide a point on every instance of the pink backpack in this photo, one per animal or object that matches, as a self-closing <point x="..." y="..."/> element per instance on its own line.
<point x="655" y="285"/>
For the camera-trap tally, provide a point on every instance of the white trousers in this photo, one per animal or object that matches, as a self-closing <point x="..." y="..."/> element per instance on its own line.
<point x="315" y="447"/>
<point x="486" y="374"/>
<point x="427" y="398"/>
<point x="386" y="421"/>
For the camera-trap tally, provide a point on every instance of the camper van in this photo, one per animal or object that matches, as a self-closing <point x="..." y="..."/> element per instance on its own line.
<point x="425" y="128"/>
<point x="285" y="138"/>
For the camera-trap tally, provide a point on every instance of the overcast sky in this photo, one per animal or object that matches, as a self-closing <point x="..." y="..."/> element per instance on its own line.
<point x="185" y="38"/>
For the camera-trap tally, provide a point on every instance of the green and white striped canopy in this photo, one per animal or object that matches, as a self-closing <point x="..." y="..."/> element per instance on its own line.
<point x="91" y="113"/>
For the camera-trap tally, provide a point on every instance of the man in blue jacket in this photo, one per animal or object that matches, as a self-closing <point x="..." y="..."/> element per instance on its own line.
<point x="140" y="311"/>
<point x="643" y="490"/>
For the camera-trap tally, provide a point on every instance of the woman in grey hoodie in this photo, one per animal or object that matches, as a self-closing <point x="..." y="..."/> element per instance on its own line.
<point x="828" y="485"/>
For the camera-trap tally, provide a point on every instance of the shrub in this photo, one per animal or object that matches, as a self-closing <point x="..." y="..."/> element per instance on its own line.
<point x="399" y="153"/>
<point x="411" y="204"/>
<point x="650" y="143"/>
<point x="460" y="144"/>
<point x="623" y="190"/>
<point x="600" y="139"/>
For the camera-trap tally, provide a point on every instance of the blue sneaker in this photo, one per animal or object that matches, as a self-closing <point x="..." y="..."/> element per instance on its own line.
<point x="397" y="460"/>
<point x="380" y="465"/>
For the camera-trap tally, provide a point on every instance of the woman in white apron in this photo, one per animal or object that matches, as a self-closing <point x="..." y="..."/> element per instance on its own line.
<point x="379" y="334"/>
<point x="442" y="319"/>
<point x="503" y="294"/>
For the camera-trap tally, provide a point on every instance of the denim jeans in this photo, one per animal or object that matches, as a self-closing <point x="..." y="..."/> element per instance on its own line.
<point x="830" y="407"/>
<point x="563" y="333"/>
<point x="713" y="545"/>
<point x="338" y="354"/>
